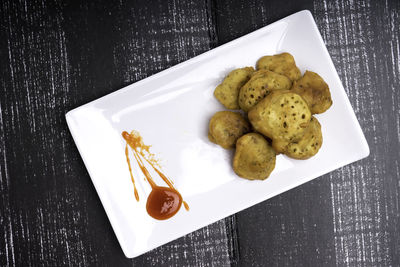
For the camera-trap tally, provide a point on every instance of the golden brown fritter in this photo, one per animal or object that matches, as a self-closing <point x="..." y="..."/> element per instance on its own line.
<point x="227" y="92"/>
<point x="226" y="127"/>
<point x="279" y="104"/>
<point x="282" y="63"/>
<point x="261" y="84"/>
<point x="254" y="158"/>
<point x="315" y="91"/>
<point x="309" y="144"/>
<point x="282" y="116"/>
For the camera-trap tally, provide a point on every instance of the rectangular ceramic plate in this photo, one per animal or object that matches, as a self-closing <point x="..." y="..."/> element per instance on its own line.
<point x="171" y="110"/>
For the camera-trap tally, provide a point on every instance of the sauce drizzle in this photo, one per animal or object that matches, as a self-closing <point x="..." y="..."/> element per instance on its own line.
<point x="162" y="202"/>
<point x="130" y="171"/>
<point x="186" y="205"/>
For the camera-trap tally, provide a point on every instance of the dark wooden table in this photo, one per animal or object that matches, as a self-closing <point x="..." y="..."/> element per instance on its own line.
<point x="57" y="55"/>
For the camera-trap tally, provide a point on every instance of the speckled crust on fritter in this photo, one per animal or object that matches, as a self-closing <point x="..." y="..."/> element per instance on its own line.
<point x="226" y="127"/>
<point x="254" y="158"/>
<point x="227" y="92"/>
<point x="315" y="91"/>
<point x="261" y="84"/>
<point x="282" y="116"/>
<point x="282" y="63"/>
<point x="309" y="144"/>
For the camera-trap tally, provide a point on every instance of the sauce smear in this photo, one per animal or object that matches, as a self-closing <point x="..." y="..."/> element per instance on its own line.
<point x="162" y="202"/>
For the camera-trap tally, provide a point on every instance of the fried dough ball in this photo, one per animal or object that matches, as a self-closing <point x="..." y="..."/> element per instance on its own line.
<point x="226" y="127"/>
<point x="280" y="145"/>
<point x="283" y="116"/>
<point x="261" y="83"/>
<point x="282" y="63"/>
<point x="254" y="158"/>
<point x="228" y="91"/>
<point x="309" y="144"/>
<point x="315" y="91"/>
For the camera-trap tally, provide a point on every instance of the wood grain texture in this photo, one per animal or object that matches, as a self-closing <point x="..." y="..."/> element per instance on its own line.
<point x="57" y="55"/>
<point x="364" y="45"/>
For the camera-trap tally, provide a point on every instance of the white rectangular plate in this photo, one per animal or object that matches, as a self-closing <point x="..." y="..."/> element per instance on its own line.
<point x="171" y="111"/>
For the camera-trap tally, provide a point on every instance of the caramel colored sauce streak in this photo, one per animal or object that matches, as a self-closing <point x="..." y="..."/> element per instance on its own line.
<point x="135" y="142"/>
<point x="130" y="171"/>
<point x="165" y="178"/>
<point x="186" y="205"/>
<point x="144" y="170"/>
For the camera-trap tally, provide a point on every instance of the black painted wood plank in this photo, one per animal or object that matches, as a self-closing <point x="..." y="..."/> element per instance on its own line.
<point x="363" y="39"/>
<point x="234" y="19"/>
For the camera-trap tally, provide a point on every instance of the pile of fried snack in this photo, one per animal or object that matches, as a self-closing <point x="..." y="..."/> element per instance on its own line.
<point x="278" y="106"/>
